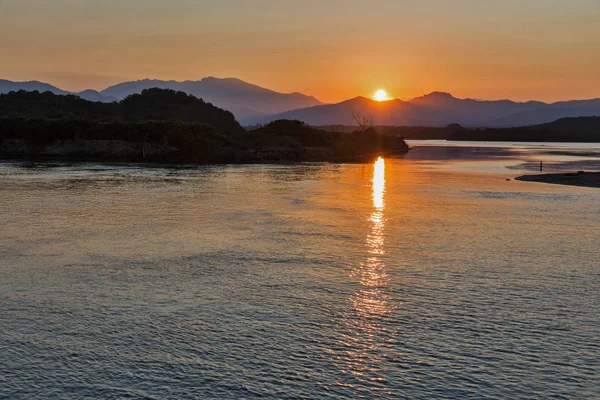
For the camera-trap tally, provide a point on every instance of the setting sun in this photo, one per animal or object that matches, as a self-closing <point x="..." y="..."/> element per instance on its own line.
<point x="380" y="95"/>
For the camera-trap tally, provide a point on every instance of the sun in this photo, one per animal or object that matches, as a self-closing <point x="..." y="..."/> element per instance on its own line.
<point x="380" y="95"/>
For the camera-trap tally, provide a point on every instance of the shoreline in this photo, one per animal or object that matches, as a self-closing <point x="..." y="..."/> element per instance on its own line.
<point x="580" y="179"/>
<point x="161" y="162"/>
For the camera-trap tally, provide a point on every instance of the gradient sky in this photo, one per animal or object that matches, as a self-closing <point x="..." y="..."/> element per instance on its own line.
<point x="334" y="49"/>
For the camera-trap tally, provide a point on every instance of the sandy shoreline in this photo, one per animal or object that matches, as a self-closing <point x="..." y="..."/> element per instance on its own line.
<point x="585" y="179"/>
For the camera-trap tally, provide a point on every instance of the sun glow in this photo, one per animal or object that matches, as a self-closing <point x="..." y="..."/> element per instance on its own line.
<point x="380" y="95"/>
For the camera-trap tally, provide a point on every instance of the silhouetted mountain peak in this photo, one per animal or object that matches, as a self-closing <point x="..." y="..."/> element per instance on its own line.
<point x="228" y="80"/>
<point x="228" y="93"/>
<point x="232" y="84"/>
<point x="434" y="98"/>
<point x="358" y="99"/>
<point x="439" y="95"/>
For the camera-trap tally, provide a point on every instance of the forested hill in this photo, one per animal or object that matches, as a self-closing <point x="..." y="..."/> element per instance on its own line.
<point x="581" y="125"/>
<point x="151" y="104"/>
<point x="580" y="129"/>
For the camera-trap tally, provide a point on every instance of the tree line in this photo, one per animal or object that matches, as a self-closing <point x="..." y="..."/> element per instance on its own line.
<point x="151" y="104"/>
<point x="183" y="127"/>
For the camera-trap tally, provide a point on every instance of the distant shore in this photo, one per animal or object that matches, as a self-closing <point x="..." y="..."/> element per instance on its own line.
<point x="584" y="179"/>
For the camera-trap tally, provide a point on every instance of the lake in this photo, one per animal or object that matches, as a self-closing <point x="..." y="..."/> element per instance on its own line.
<point x="425" y="277"/>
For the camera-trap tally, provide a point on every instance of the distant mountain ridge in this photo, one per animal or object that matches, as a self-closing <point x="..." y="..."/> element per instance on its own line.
<point x="438" y="109"/>
<point x="252" y="104"/>
<point x="31" y="86"/>
<point x="243" y="99"/>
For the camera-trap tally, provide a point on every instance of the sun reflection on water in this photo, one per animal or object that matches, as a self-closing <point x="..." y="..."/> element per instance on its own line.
<point x="379" y="184"/>
<point x="370" y="301"/>
<point x="370" y="307"/>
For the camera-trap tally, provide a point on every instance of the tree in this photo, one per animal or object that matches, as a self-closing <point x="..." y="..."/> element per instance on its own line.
<point x="364" y="123"/>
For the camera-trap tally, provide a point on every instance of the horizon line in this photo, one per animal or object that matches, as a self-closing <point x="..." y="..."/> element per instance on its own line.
<point x="297" y="92"/>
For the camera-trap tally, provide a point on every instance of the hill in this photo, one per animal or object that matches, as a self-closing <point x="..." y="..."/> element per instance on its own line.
<point x="582" y="125"/>
<point x="581" y="129"/>
<point x="152" y="104"/>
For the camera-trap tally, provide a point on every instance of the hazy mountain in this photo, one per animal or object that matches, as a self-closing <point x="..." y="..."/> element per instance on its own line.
<point x="444" y="109"/>
<point x="9" y="86"/>
<point x="93" y="95"/>
<point x="433" y="111"/>
<point x="393" y="112"/>
<point x="438" y="109"/>
<point x="243" y="99"/>
<point x="32" y="86"/>
<point x="253" y="104"/>
<point x="243" y="113"/>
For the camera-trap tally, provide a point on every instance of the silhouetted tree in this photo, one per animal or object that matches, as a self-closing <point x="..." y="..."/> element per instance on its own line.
<point x="363" y="123"/>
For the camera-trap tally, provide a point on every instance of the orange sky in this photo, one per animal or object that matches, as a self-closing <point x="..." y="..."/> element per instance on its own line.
<point x="334" y="50"/>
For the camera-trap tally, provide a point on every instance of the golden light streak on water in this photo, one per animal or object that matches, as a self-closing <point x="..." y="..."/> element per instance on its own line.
<point x="370" y="301"/>
<point x="379" y="184"/>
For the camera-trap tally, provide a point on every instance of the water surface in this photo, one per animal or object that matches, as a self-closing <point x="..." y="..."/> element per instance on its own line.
<point x="429" y="277"/>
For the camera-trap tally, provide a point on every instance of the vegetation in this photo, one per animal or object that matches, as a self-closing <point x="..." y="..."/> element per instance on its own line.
<point x="178" y="141"/>
<point x="581" y="129"/>
<point x="167" y="126"/>
<point x="406" y="132"/>
<point x="301" y="141"/>
<point x="151" y="104"/>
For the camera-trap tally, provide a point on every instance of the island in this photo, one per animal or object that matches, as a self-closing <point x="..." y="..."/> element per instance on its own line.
<point x="165" y="126"/>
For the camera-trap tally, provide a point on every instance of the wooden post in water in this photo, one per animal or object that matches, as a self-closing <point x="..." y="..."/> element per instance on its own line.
<point x="144" y="146"/>
<point x="541" y="166"/>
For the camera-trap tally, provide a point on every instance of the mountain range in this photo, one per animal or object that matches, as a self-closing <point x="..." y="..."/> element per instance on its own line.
<point x="30" y="86"/>
<point x="243" y="99"/>
<point x="439" y="109"/>
<point x="253" y="104"/>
